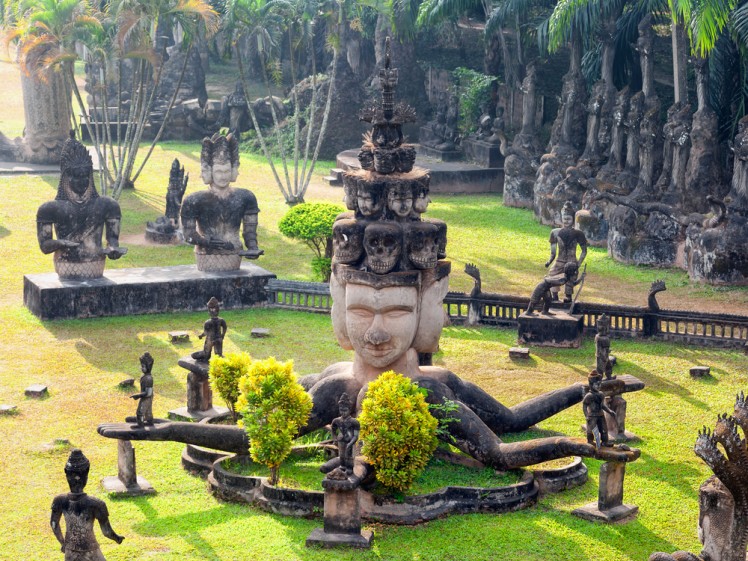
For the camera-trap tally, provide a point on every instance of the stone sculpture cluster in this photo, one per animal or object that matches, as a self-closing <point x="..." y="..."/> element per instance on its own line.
<point x="388" y="308"/>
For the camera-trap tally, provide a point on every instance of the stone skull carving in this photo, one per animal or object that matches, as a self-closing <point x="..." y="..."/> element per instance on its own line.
<point x="385" y="161"/>
<point x="347" y="241"/>
<point x="383" y="244"/>
<point x="366" y="158"/>
<point x="422" y="244"/>
<point x="350" y="187"/>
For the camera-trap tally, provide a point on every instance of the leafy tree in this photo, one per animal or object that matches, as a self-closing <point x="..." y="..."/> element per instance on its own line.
<point x="273" y="406"/>
<point x="225" y="373"/>
<point x="312" y="224"/>
<point x="398" y="431"/>
<point x="266" y="23"/>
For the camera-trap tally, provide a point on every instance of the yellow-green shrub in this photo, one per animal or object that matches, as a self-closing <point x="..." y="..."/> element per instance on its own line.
<point x="273" y="406"/>
<point x="398" y="432"/>
<point x="225" y="372"/>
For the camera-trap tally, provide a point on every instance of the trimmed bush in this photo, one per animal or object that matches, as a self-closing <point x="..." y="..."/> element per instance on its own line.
<point x="312" y="223"/>
<point x="398" y="432"/>
<point x="273" y="406"/>
<point x="225" y="372"/>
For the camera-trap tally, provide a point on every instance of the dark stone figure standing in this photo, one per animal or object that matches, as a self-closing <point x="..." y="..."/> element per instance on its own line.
<point x="543" y="291"/>
<point x="564" y="243"/>
<point x="144" y="413"/>
<point x="594" y="406"/>
<point x="602" y="348"/>
<point x="80" y="511"/>
<point x="78" y="217"/>
<point x="213" y="330"/>
<point x="345" y="430"/>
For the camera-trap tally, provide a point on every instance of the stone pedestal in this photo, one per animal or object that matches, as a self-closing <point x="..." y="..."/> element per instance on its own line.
<point x="609" y="506"/>
<point x="199" y="394"/>
<point x="437" y="154"/>
<point x="485" y="154"/>
<point x="144" y="291"/>
<point x="127" y="481"/>
<point x="342" y="517"/>
<point x="558" y="329"/>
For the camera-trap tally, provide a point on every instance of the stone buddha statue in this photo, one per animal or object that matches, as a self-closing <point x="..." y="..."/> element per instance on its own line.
<point x="212" y="219"/>
<point x="72" y="225"/>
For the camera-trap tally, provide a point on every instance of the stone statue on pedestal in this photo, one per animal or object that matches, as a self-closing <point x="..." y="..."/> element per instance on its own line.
<point x="144" y="413"/>
<point x="78" y="217"/>
<point x="211" y="219"/>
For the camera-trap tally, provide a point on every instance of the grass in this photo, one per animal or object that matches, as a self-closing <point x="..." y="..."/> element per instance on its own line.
<point x="302" y="472"/>
<point x="82" y="361"/>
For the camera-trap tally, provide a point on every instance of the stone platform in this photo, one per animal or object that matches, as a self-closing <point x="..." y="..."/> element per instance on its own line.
<point x="120" y="292"/>
<point x="446" y="177"/>
<point x="558" y="329"/>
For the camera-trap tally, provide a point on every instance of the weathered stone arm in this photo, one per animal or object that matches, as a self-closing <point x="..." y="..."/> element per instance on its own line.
<point x="113" y="250"/>
<point x="47" y="243"/>
<point x="219" y="437"/>
<point x="249" y="233"/>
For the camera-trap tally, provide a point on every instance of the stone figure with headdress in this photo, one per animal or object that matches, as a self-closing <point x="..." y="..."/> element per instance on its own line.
<point x="72" y="225"/>
<point x="212" y="219"/>
<point x="80" y="511"/>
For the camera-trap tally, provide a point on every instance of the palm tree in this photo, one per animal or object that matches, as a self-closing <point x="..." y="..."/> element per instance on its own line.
<point x="48" y="32"/>
<point x="264" y="24"/>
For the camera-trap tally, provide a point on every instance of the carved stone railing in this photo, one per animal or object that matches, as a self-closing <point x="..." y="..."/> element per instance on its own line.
<point x="299" y="295"/>
<point x="502" y="310"/>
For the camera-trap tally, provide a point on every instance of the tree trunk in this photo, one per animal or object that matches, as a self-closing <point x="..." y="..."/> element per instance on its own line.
<point x="46" y="103"/>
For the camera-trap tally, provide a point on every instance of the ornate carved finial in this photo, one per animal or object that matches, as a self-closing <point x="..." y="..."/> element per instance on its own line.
<point x="147" y="360"/>
<point x="77" y="463"/>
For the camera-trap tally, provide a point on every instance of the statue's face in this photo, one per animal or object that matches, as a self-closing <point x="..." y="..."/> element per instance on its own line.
<point x="222" y="175"/>
<point x="567" y="220"/>
<point x="213" y="311"/>
<point x="80" y="178"/>
<point x="76" y="481"/>
<point x="381" y="323"/>
<point x="368" y="203"/>
<point x="421" y="202"/>
<point x="400" y="203"/>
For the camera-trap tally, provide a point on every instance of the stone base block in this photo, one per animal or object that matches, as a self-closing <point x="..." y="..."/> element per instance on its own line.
<point x="519" y="352"/>
<point x="593" y="513"/>
<point x="700" y="371"/>
<point x="437" y="154"/>
<point x="113" y="484"/>
<point x="183" y="414"/>
<point x="485" y="154"/>
<point x="361" y="541"/>
<point x="558" y="329"/>
<point x="144" y="291"/>
<point x="36" y="390"/>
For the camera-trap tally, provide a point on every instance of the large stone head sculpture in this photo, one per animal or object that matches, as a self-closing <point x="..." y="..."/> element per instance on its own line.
<point x="219" y="161"/>
<point x="381" y="317"/>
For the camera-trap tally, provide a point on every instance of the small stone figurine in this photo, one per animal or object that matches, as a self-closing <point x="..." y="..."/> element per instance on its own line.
<point x="602" y="348"/>
<point x="594" y="406"/>
<point x="213" y="330"/>
<point x="345" y="431"/>
<point x="542" y="291"/>
<point x="80" y="511"/>
<point x="564" y="242"/>
<point x="144" y="414"/>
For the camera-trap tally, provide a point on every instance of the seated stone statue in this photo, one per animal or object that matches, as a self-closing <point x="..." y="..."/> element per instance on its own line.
<point x="72" y="225"/>
<point x="80" y="512"/>
<point x="211" y="219"/>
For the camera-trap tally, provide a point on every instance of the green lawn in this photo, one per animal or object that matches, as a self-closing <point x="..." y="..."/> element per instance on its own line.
<point x="83" y="361"/>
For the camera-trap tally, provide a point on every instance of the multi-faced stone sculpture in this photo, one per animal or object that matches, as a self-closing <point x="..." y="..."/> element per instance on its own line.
<point x="144" y="413"/>
<point x="72" y="225"/>
<point x="214" y="330"/>
<point x="80" y="511"/>
<point x="211" y="219"/>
